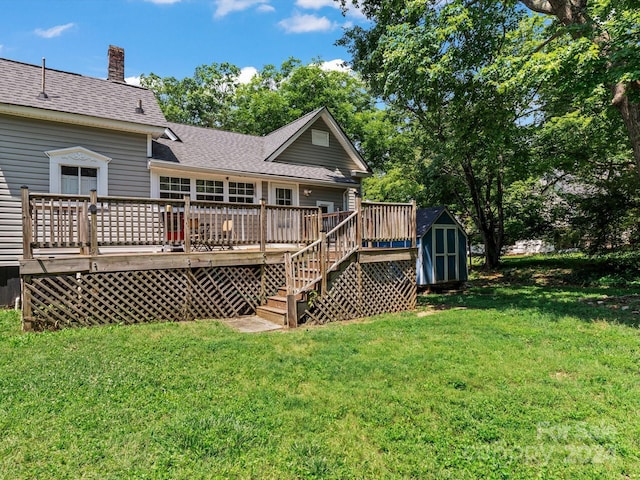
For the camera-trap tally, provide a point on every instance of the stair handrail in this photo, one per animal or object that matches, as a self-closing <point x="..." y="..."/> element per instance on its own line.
<point x="317" y="252"/>
<point x="345" y="233"/>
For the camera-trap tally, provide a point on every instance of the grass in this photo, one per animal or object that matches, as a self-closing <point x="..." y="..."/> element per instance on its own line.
<point x="511" y="379"/>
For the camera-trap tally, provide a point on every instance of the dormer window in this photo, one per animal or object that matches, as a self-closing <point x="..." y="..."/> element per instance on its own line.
<point x="320" y="138"/>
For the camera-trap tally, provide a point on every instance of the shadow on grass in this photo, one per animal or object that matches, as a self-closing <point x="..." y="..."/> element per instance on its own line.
<point x="621" y="306"/>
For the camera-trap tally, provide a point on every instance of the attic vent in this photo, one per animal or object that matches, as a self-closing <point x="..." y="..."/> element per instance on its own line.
<point x="43" y="94"/>
<point x="139" y="108"/>
<point x="320" y="138"/>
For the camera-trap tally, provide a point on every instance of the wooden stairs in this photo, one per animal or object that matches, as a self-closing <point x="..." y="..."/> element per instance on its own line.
<point x="275" y="310"/>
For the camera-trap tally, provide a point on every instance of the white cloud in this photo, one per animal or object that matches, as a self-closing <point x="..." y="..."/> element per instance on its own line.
<point x="163" y="2"/>
<point x="337" y="65"/>
<point x="133" y="80"/>
<point x="351" y="10"/>
<point x="246" y="74"/>
<point x="306" y="23"/>
<point x="53" y="31"/>
<point x="316" y="4"/>
<point x="225" y="7"/>
<point x="266" y="8"/>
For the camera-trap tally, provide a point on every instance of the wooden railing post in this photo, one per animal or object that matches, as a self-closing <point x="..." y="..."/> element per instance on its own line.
<point x="413" y="230"/>
<point x="83" y="229"/>
<point x="359" y="223"/>
<point x="263" y="225"/>
<point x="323" y="262"/>
<point x="288" y="272"/>
<point x="27" y="229"/>
<point x="320" y="224"/>
<point x="93" y="210"/>
<point x="187" y="224"/>
<point x="292" y="311"/>
<point x="168" y="225"/>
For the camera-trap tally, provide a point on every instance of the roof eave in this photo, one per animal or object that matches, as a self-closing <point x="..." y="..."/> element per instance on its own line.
<point x="163" y="164"/>
<point x="85" y="120"/>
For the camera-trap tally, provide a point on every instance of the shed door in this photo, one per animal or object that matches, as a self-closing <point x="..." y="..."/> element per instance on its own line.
<point x="445" y="253"/>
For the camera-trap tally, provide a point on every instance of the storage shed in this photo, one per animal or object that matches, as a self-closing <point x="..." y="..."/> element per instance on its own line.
<point x="442" y="248"/>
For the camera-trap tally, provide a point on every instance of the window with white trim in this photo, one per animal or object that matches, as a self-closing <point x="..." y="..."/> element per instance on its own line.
<point x="320" y="138"/>
<point x="210" y="190"/>
<point x="241" y="192"/>
<point x="284" y="196"/>
<point x="174" y="187"/>
<point x="77" y="171"/>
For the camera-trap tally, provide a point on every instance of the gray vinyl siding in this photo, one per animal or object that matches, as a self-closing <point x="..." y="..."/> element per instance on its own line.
<point x="303" y="152"/>
<point x="23" y="142"/>
<point x="324" y="194"/>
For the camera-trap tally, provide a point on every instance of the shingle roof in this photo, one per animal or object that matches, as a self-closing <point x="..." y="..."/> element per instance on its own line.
<point x="213" y="149"/>
<point x="20" y="84"/>
<point x="425" y="217"/>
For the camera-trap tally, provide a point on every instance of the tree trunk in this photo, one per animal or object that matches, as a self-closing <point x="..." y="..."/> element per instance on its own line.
<point x="491" y="252"/>
<point x="630" y="113"/>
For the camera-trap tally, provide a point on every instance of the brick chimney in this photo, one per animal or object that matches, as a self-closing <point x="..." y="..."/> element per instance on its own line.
<point x="116" y="64"/>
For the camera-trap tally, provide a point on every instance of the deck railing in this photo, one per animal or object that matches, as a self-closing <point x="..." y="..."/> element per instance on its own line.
<point x="368" y="226"/>
<point x="91" y="222"/>
<point x="388" y="222"/>
<point x="88" y="223"/>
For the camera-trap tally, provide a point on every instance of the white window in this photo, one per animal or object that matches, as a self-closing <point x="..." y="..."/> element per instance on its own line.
<point x="174" y="187"/>
<point x="210" y="190"/>
<point x="77" y="171"/>
<point x="241" y="192"/>
<point x="320" y="138"/>
<point x="284" y="196"/>
<point x="78" y="180"/>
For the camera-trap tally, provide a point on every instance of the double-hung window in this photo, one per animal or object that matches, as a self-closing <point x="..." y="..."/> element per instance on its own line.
<point x="78" y="180"/>
<point x="77" y="171"/>
<point x="284" y="196"/>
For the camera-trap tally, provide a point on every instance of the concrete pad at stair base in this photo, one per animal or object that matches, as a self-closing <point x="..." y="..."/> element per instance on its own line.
<point x="252" y="324"/>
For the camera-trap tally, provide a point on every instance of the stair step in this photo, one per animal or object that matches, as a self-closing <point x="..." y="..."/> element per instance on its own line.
<point x="282" y="292"/>
<point x="277" y="301"/>
<point x="275" y="315"/>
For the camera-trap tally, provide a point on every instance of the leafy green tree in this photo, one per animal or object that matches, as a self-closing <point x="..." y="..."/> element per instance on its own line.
<point x="603" y="52"/>
<point x="434" y="61"/>
<point x="204" y="99"/>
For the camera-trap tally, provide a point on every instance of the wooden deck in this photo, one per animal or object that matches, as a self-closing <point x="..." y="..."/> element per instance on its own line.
<point x="89" y="261"/>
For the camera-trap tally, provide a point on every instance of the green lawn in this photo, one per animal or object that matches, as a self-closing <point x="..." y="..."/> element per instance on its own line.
<point x="525" y="380"/>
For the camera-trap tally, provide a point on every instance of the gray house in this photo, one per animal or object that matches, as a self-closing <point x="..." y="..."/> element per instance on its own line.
<point x="66" y="133"/>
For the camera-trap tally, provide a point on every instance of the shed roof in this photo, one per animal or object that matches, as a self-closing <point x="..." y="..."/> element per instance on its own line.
<point x="77" y="94"/>
<point x="425" y="217"/>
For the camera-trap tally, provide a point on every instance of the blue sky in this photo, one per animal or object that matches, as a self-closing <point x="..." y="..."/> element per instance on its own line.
<point x="171" y="37"/>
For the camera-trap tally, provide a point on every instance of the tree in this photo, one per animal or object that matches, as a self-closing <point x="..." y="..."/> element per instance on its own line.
<point x="605" y="34"/>
<point x="204" y="99"/>
<point x="435" y="62"/>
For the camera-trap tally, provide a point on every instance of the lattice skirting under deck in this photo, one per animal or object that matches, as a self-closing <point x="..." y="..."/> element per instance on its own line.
<point x="362" y="290"/>
<point x="86" y="299"/>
